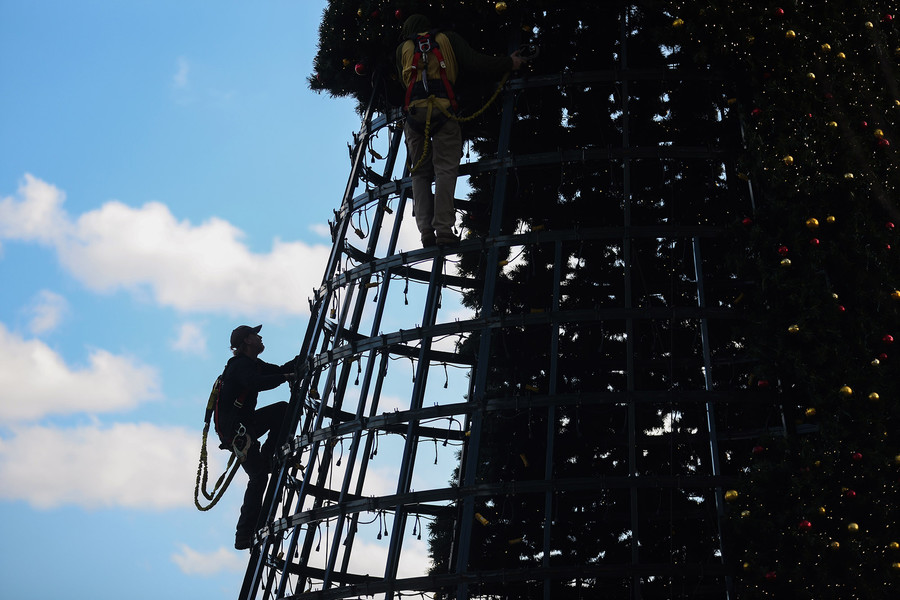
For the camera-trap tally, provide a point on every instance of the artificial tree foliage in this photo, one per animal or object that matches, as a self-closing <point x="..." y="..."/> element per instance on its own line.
<point x="807" y="95"/>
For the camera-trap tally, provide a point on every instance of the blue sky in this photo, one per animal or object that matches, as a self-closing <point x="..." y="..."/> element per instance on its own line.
<point x="165" y="174"/>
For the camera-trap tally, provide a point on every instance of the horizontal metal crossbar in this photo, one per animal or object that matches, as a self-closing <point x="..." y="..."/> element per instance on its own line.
<point x="361" y="586"/>
<point x="412" y="500"/>
<point x="392" y="264"/>
<point x="387" y="341"/>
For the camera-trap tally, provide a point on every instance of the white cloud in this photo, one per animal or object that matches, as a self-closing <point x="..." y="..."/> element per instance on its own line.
<point x="204" y="267"/>
<point x="35" y="381"/>
<point x="131" y="465"/>
<point x="192" y="562"/>
<point x="182" y="71"/>
<point x="321" y="230"/>
<point x="47" y="311"/>
<point x="190" y="340"/>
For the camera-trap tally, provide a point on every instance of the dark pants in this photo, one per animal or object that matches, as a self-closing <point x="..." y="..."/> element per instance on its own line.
<point x="258" y="463"/>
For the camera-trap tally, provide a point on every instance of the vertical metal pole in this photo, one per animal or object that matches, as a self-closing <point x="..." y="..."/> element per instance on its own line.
<point x="710" y="408"/>
<point x="470" y="466"/>
<point x="627" y="258"/>
<point x="551" y="414"/>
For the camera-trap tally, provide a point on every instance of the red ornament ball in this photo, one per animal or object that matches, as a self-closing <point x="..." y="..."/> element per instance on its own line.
<point x="889" y="225"/>
<point x="756" y="112"/>
<point x="770" y="576"/>
<point x="783" y="250"/>
<point x="763" y="383"/>
<point x="814" y="242"/>
<point x="863" y="124"/>
<point x="779" y="12"/>
<point x="884" y="143"/>
<point x="850" y="494"/>
<point x="758" y="449"/>
<point x="805" y="525"/>
<point x="398" y="14"/>
<point x="888" y="339"/>
<point x="360" y="69"/>
<point x="882" y="356"/>
<point x="857" y="456"/>
<point x="746" y="221"/>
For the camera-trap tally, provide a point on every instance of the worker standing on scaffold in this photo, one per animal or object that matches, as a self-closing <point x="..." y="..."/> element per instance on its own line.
<point x="429" y="62"/>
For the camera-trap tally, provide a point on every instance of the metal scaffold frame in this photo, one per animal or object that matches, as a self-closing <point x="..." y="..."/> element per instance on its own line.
<point x="328" y="489"/>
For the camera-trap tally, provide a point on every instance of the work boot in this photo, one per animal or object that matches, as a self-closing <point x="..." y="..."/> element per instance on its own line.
<point x="443" y="238"/>
<point x="243" y="541"/>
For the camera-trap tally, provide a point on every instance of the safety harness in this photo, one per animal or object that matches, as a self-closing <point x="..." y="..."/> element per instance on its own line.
<point x="420" y="87"/>
<point x="425" y="44"/>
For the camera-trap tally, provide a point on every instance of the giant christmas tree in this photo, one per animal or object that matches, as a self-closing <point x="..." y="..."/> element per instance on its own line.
<point x="679" y="378"/>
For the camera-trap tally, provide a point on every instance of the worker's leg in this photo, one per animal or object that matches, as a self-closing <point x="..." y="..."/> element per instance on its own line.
<point x="423" y="200"/>
<point x="258" y="465"/>
<point x="447" y="153"/>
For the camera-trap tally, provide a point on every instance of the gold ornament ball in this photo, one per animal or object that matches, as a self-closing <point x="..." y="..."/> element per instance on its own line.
<point x="897" y="459"/>
<point x="745" y="514"/>
<point x="869" y="25"/>
<point x="811" y="76"/>
<point x="826" y="47"/>
<point x="841" y="55"/>
<point x="746" y="566"/>
<point x="874" y="397"/>
<point x="878" y="133"/>
<point x="794" y="329"/>
<point x="875" y="362"/>
<point x="895" y="566"/>
<point x="785" y="262"/>
<point x="500" y="7"/>
<point x="834" y="545"/>
<point x="790" y="34"/>
<point x="832" y="124"/>
<point x="678" y="23"/>
<point x="894" y="546"/>
<point x="845" y="391"/>
<point x="848" y="176"/>
<point x="817" y="463"/>
<point x="346" y="62"/>
<point x="822" y="510"/>
<point x="731" y="495"/>
<point x="812" y="223"/>
<point x="788" y="160"/>
<point x="359" y="12"/>
<point x="831" y="220"/>
<point x="852" y="527"/>
<point x="810" y="412"/>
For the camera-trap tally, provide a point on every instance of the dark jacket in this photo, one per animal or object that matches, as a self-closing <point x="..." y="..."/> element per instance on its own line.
<point x="242" y="380"/>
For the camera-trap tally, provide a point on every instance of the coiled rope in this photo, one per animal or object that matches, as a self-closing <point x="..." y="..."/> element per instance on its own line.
<point x="234" y="461"/>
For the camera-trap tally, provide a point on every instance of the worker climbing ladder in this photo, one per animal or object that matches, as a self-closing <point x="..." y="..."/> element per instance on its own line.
<point x="442" y="452"/>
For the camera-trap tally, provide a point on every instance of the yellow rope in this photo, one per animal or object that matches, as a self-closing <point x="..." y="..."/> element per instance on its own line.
<point x="203" y="476"/>
<point x="449" y="115"/>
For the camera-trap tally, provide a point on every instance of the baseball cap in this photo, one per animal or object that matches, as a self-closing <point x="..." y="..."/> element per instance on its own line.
<point x="241" y="332"/>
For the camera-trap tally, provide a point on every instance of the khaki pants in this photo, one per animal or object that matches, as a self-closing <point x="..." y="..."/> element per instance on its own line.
<point x="434" y="211"/>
